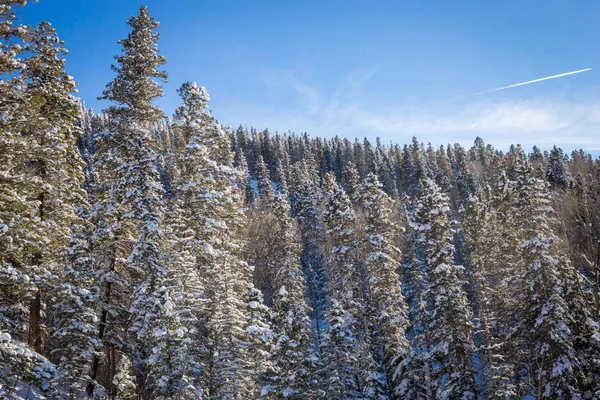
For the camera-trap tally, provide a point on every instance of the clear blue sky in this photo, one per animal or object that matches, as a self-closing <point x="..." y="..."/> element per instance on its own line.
<point x="363" y="68"/>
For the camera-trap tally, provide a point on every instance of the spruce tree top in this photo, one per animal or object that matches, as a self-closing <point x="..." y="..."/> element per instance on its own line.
<point x="135" y="86"/>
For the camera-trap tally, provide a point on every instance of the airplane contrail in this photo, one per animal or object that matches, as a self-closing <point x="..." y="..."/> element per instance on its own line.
<point x="536" y="80"/>
<point x="522" y="83"/>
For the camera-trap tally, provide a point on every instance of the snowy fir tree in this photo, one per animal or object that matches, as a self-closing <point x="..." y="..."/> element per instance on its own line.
<point x="50" y="218"/>
<point x="305" y="199"/>
<point x="134" y="186"/>
<point x="414" y="372"/>
<point x="387" y="307"/>
<point x="449" y="324"/>
<point x="260" y="335"/>
<point x="18" y="205"/>
<point x="351" y="181"/>
<point x="74" y="332"/>
<point x="551" y="303"/>
<point x="557" y="172"/>
<point x="265" y="187"/>
<point x="51" y="140"/>
<point x="210" y="216"/>
<point x="346" y="352"/>
<point x="292" y="350"/>
<point x="343" y="276"/>
<point x="490" y="307"/>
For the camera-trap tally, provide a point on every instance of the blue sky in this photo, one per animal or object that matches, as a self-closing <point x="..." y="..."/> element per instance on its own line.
<point x="363" y="68"/>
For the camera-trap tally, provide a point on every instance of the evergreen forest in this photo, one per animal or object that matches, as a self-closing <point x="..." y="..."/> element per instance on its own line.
<point x="154" y="256"/>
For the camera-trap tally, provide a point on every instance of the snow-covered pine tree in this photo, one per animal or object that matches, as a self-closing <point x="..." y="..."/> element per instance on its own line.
<point x="111" y="242"/>
<point x="346" y="355"/>
<point x="479" y="153"/>
<point x="158" y="323"/>
<point x="463" y="180"/>
<point x="338" y="363"/>
<point x="51" y="135"/>
<point x="43" y="170"/>
<point x="18" y="205"/>
<point x="381" y="257"/>
<point x="371" y="162"/>
<point x="74" y="332"/>
<point x="293" y="355"/>
<point x="449" y="325"/>
<point x="50" y="131"/>
<point x="351" y="181"/>
<point x="509" y="264"/>
<point x="265" y="187"/>
<point x="260" y="336"/>
<point x="186" y="225"/>
<point x="184" y="288"/>
<point x="483" y="252"/>
<point x="443" y="165"/>
<point x="23" y="368"/>
<point x="206" y="187"/>
<point x="415" y="371"/>
<point x="415" y="166"/>
<point x="305" y="198"/>
<point x="69" y="277"/>
<point x="339" y="366"/>
<point x="245" y="182"/>
<point x="554" y="320"/>
<point x="135" y="194"/>
<point x="557" y="172"/>
<point x="281" y="173"/>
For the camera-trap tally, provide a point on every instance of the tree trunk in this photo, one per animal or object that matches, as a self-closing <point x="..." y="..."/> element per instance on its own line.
<point x="105" y="301"/>
<point x="101" y="331"/>
<point x="112" y="370"/>
<point x="36" y="338"/>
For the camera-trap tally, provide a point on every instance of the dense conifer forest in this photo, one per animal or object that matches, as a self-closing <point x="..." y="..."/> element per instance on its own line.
<point x="147" y="256"/>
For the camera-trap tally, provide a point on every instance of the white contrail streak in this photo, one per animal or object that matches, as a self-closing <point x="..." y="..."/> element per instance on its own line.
<point x="536" y="80"/>
<point x="523" y="83"/>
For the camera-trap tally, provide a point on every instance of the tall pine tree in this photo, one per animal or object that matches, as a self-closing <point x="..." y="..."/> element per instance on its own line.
<point x="449" y="323"/>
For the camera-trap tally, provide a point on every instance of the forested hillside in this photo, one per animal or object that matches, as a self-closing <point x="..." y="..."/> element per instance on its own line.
<point x="147" y="256"/>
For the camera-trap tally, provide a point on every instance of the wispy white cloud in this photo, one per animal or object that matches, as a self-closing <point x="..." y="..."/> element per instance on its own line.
<point x="350" y="112"/>
<point x="506" y="117"/>
<point x="354" y="82"/>
<point x="285" y="80"/>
